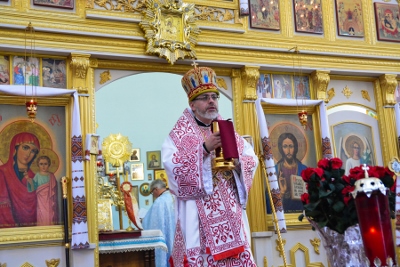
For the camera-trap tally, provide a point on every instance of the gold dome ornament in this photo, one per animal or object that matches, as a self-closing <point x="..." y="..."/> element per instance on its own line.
<point x="116" y="149"/>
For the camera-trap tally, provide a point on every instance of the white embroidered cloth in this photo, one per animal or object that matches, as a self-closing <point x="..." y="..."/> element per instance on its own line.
<point x="150" y="239"/>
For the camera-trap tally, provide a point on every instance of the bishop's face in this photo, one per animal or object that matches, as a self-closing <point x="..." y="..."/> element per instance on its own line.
<point x="205" y="107"/>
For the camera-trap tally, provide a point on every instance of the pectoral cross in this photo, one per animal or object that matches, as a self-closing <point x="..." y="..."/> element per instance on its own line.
<point x="365" y="168"/>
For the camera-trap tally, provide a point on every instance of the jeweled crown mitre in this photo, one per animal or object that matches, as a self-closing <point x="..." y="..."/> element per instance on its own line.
<point x="199" y="80"/>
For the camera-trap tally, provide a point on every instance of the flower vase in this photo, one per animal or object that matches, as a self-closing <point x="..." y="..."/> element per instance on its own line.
<point x="343" y="250"/>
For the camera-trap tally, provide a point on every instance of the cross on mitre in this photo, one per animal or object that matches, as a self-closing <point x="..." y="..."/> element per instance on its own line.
<point x="365" y="168"/>
<point x="194" y="64"/>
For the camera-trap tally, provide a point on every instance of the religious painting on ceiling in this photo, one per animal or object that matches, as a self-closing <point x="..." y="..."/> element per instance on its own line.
<point x="349" y="17"/>
<point x="32" y="163"/>
<point x="54" y="73"/>
<point x="264" y="14"/>
<point x="293" y="150"/>
<point x="386" y="19"/>
<point x="4" y="70"/>
<point x="308" y="16"/>
<point x="51" y="3"/>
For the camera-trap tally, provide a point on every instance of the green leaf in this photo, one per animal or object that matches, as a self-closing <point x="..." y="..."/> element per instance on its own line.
<point x="338" y="206"/>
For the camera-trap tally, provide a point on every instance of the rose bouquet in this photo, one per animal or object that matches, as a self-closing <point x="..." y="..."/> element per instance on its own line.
<point x="328" y="201"/>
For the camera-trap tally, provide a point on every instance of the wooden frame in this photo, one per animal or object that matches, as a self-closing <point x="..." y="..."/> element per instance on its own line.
<point x="51" y="129"/>
<point x="137" y="171"/>
<point x="265" y="17"/>
<point x="135" y="156"/>
<point x="308" y="17"/>
<point x="349" y="18"/>
<point x="386" y="24"/>
<point x="161" y="174"/>
<point x="61" y="4"/>
<point x="153" y="159"/>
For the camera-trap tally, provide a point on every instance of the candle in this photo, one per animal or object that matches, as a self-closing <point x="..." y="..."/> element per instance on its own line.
<point x="374" y="220"/>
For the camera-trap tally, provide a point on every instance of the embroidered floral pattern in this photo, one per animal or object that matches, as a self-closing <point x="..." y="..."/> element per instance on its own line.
<point x="267" y="148"/>
<point x="221" y="223"/>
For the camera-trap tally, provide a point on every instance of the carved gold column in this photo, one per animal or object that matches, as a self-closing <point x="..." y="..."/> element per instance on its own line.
<point x="385" y="100"/>
<point x="244" y="94"/>
<point x="320" y="80"/>
<point x="82" y="80"/>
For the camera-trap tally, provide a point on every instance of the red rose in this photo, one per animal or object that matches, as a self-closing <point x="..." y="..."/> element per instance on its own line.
<point x="323" y="163"/>
<point x="319" y="172"/>
<point x="336" y="163"/>
<point x="346" y="179"/>
<point x="380" y="170"/>
<point x="308" y="172"/>
<point x="389" y="172"/>
<point x="346" y="194"/>
<point x="357" y="173"/>
<point x="305" y="198"/>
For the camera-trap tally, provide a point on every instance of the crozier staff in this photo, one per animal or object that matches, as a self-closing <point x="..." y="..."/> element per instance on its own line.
<point x="207" y="201"/>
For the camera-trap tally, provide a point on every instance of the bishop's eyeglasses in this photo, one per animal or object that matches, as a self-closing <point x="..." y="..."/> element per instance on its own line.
<point x="206" y="98"/>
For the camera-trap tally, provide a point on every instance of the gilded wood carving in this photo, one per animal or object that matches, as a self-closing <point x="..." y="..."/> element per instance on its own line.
<point x="170" y="29"/>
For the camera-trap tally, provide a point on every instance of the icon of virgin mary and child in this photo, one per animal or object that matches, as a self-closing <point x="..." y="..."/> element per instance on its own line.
<point x="27" y="198"/>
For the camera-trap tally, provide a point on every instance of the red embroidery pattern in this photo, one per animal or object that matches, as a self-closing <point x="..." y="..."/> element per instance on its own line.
<point x="267" y="148"/>
<point x="76" y="149"/>
<point x="220" y="215"/>
<point x="245" y="259"/>
<point x="188" y="139"/>
<point x="326" y="148"/>
<point x="277" y="199"/>
<point x="179" y="248"/>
